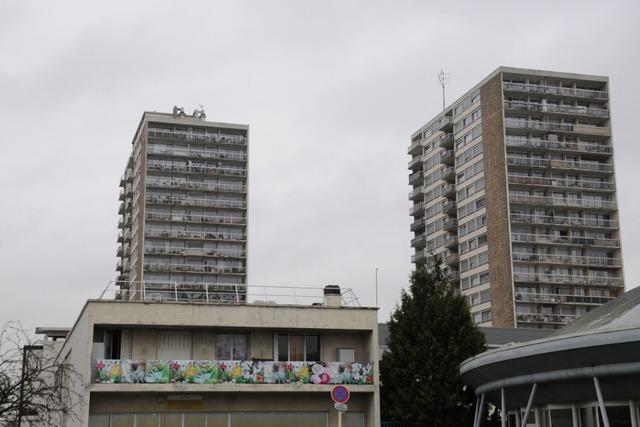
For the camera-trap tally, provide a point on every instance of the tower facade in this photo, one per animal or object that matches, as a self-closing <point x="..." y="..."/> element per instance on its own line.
<point x="513" y="186"/>
<point x="183" y="210"/>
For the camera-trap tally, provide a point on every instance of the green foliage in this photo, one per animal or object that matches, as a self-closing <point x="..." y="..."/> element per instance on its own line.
<point x="430" y="333"/>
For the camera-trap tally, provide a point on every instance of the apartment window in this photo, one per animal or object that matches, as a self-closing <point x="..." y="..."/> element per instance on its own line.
<point x="297" y="348"/>
<point x="231" y="347"/>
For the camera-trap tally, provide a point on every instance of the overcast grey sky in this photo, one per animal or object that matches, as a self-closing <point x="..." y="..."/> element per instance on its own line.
<point x="332" y="91"/>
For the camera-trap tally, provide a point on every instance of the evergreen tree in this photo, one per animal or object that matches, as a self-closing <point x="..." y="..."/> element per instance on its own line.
<point x="430" y="333"/>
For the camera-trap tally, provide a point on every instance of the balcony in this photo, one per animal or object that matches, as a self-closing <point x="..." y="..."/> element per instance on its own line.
<point x="559" y="164"/>
<point x="445" y="124"/>
<point x="562" y="279"/>
<point x="417" y="210"/>
<point x="554" y="90"/>
<point x="217" y="187"/>
<point x="416" y="178"/>
<point x="204" y="373"/>
<point x="156" y="165"/>
<point x="572" y="260"/>
<point x="183" y="201"/>
<point x="448" y="157"/>
<point x="191" y="268"/>
<point x="562" y="298"/>
<point x="558" y="109"/>
<point x="452" y="259"/>
<point x="577" y="147"/>
<point x="200" y="252"/>
<point x="556" y="201"/>
<point x="418" y="224"/>
<point x="564" y="220"/>
<point x="449" y="207"/>
<point x="121" y="237"/>
<point x="195" y="218"/>
<point x="195" y="235"/>
<point x="239" y="156"/>
<point x="559" y="182"/>
<point x="559" y="319"/>
<point x="450" y="224"/>
<point x="565" y="240"/>
<point x="450" y="241"/>
<point x="419" y="241"/>
<point x="448" y="174"/>
<point x="415" y="163"/>
<point x="446" y="141"/>
<point x="420" y="257"/>
<point x="416" y="194"/>
<point x="557" y="127"/>
<point x="415" y="149"/>
<point x="197" y="137"/>
<point x="449" y="191"/>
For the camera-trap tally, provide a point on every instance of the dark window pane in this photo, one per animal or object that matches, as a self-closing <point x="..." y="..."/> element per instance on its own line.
<point x="283" y="348"/>
<point x="239" y="347"/>
<point x="223" y="346"/>
<point x="313" y="348"/>
<point x="619" y="416"/>
<point x="561" y="418"/>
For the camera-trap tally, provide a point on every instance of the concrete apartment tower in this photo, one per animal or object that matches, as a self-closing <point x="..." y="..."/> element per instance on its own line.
<point x="514" y="187"/>
<point x="184" y="209"/>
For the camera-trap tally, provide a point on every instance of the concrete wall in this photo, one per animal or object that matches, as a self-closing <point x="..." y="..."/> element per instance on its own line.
<point x="105" y="403"/>
<point x="498" y="231"/>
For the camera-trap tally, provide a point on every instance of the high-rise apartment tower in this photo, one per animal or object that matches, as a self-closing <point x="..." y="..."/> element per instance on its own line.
<point x="184" y="209"/>
<point x="514" y="187"/>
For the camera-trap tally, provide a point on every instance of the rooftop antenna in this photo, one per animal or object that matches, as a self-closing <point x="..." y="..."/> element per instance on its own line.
<point x="443" y="80"/>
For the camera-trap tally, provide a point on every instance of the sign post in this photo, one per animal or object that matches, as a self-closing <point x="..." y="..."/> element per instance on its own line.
<point x="340" y="395"/>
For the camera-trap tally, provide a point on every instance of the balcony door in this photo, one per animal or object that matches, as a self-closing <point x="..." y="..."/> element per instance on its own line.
<point x="174" y="345"/>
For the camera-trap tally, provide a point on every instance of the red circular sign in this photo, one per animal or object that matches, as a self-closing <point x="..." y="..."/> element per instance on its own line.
<point x="340" y="394"/>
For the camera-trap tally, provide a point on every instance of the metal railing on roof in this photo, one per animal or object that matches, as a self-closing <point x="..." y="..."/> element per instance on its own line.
<point x="223" y="293"/>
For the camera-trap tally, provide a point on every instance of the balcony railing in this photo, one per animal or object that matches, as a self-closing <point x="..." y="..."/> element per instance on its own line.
<point x="192" y="268"/>
<point x="560" y="182"/>
<point x="568" y="260"/>
<point x="203" y="154"/>
<point x="415" y="178"/>
<point x="417" y="224"/>
<point x="554" y="108"/>
<point x="419" y="241"/>
<point x="419" y="257"/>
<point x="560" y="164"/>
<point x="194" y="218"/>
<point x="167" y="183"/>
<point x="577" y="241"/>
<point x="222" y="293"/>
<point x="561" y="298"/>
<point x="155" y="165"/>
<point x="198" y="235"/>
<point x="207" y="372"/>
<point x="417" y="160"/>
<point x="183" y="201"/>
<point x="417" y="209"/>
<point x="554" y="90"/>
<point x="564" y="220"/>
<point x="567" y="279"/>
<point x="416" y="194"/>
<point x="200" y="137"/>
<point x="558" y="145"/>
<point x="581" y="128"/>
<point x="214" y="253"/>
<point x="556" y="201"/>
<point x="560" y="319"/>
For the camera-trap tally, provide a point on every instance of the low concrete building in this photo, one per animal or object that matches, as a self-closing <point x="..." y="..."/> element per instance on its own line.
<point x="584" y="375"/>
<point x="195" y="364"/>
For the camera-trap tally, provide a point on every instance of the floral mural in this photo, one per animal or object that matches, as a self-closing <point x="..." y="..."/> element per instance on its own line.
<point x="232" y="371"/>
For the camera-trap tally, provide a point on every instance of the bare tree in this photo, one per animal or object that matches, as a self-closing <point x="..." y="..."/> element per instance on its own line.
<point x="37" y="388"/>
